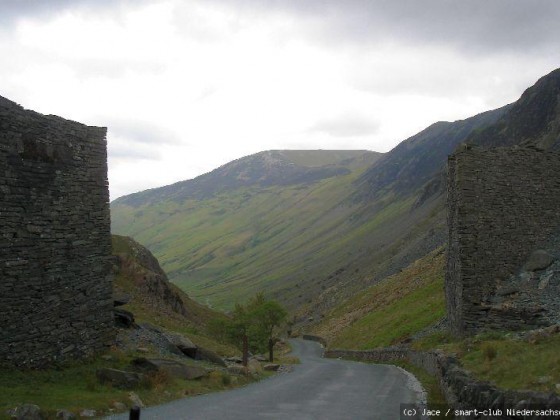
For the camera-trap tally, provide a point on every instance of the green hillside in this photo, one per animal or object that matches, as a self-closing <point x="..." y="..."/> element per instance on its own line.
<point x="299" y="225"/>
<point x="392" y="310"/>
<point x="224" y="248"/>
<point x="311" y="228"/>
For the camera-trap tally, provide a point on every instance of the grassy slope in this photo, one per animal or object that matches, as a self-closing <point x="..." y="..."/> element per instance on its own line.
<point x="391" y="310"/>
<point x="145" y="310"/>
<point x="408" y="302"/>
<point x="73" y="386"/>
<point x="516" y="364"/>
<point x="221" y="250"/>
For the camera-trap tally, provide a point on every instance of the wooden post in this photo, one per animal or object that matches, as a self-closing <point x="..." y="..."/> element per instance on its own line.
<point x="134" y="413"/>
<point x="270" y="350"/>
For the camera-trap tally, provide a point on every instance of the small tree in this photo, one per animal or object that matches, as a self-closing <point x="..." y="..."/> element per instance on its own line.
<point x="252" y="326"/>
<point x="269" y="315"/>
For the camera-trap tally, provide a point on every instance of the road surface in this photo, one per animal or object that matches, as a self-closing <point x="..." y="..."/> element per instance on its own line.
<point x="316" y="389"/>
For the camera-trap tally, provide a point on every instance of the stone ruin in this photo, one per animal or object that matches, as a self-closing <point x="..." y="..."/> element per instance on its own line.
<point x="503" y="260"/>
<point x="55" y="244"/>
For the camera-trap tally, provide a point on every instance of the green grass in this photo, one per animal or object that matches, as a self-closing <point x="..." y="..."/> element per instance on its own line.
<point x="74" y="387"/>
<point x="221" y="250"/>
<point x="401" y="319"/>
<point x="503" y="359"/>
<point x="390" y="311"/>
<point x="436" y="400"/>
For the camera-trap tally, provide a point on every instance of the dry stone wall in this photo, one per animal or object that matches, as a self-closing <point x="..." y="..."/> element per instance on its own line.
<point x="503" y="206"/>
<point x="460" y="389"/>
<point x="55" y="245"/>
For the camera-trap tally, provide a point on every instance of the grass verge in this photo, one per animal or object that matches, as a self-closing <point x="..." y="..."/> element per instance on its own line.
<point x="74" y="387"/>
<point x="504" y="359"/>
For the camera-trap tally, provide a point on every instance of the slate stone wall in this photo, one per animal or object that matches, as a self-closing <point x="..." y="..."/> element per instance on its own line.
<point x="460" y="389"/>
<point x="503" y="204"/>
<point x="55" y="244"/>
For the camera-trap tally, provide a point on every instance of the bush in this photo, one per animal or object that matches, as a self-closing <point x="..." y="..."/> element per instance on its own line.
<point x="489" y="351"/>
<point x="226" y="379"/>
<point x="156" y="380"/>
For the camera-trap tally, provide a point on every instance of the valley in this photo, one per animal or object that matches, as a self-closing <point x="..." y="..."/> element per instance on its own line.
<point x="279" y="209"/>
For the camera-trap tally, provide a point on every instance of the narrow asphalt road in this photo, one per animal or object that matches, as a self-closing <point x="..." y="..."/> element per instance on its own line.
<point x="316" y="389"/>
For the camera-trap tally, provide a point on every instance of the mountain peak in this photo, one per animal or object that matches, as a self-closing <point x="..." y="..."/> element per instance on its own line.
<point x="263" y="169"/>
<point x="534" y="120"/>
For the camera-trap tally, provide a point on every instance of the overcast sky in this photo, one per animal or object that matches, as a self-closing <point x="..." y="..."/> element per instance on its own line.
<point x="186" y="86"/>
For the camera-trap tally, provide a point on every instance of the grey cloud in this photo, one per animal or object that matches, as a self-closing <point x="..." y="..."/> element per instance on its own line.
<point x="12" y="11"/>
<point x="346" y="126"/>
<point x="474" y="26"/>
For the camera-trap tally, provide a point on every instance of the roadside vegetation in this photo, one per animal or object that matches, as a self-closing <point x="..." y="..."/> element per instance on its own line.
<point x="401" y="309"/>
<point x="75" y="387"/>
<point x="252" y="327"/>
<point x="391" y="311"/>
<point x="509" y="360"/>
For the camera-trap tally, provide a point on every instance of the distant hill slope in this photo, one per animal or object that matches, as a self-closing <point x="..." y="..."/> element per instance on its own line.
<point x="390" y="311"/>
<point x="256" y="222"/>
<point x="314" y="227"/>
<point x="265" y="169"/>
<point x="416" y="160"/>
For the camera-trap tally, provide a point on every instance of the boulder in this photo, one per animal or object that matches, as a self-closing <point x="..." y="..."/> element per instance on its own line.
<point x="124" y="319"/>
<point x="119" y="378"/>
<point x="171" y="367"/>
<point x="186" y="346"/>
<point x="65" y="415"/>
<point x="119" y="406"/>
<point x="209" y="356"/>
<point x="26" y="412"/>
<point x="120" y="299"/>
<point x="234" y="359"/>
<point x="88" y="413"/>
<point x="271" y="367"/>
<point x="167" y="338"/>
<point x="135" y="399"/>
<point x="261" y="358"/>
<point x="238" y="370"/>
<point x="539" y="260"/>
<point x="254" y="366"/>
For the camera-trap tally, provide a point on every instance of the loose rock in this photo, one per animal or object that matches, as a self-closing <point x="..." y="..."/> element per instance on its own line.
<point x="171" y="367"/>
<point x="238" y="370"/>
<point x="119" y="378"/>
<point x="254" y="366"/>
<point x="539" y="260"/>
<point x="26" y="412"/>
<point x="65" y="415"/>
<point x="132" y="396"/>
<point x="88" y="413"/>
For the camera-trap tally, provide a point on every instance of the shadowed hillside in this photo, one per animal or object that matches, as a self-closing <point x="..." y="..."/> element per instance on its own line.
<point x="140" y="280"/>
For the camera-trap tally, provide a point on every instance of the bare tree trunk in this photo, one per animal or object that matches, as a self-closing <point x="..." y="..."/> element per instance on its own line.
<point x="245" y="350"/>
<point x="270" y="350"/>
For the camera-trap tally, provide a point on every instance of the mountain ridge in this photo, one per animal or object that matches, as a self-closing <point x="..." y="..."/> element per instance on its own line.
<point x="312" y="244"/>
<point x="267" y="168"/>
